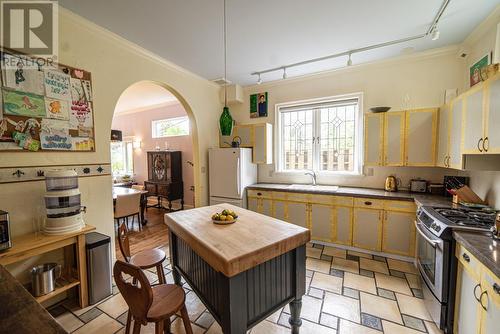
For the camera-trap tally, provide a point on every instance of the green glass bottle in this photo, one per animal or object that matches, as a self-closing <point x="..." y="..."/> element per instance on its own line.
<point x="226" y="122"/>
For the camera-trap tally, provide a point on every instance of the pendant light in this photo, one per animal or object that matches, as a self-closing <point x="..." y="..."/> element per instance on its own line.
<point x="225" y="120"/>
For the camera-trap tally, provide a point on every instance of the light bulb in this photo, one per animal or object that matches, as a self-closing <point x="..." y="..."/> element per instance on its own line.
<point x="435" y="34"/>
<point x="349" y="61"/>
<point x="284" y="73"/>
<point x="259" y="80"/>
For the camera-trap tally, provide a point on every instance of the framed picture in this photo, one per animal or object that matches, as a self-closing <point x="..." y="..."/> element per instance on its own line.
<point x="258" y="105"/>
<point x="475" y="69"/>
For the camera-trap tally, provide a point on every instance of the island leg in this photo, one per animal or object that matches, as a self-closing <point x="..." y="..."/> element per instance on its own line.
<point x="172" y="244"/>
<point x="294" y="320"/>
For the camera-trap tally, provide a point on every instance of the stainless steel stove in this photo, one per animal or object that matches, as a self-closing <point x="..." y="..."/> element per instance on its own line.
<point x="435" y="255"/>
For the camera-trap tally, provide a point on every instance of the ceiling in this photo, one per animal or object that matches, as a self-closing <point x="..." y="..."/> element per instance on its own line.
<point x="142" y="95"/>
<point x="264" y="34"/>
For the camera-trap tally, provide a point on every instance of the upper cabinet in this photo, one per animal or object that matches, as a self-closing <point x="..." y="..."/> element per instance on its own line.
<point x="259" y="137"/>
<point x="401" y="138"/>
<point x="492" y="116"/>
<point x="444" y="137"/>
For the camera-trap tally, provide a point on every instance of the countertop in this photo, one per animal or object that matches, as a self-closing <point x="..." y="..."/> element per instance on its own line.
<point x="20" y="312"/>
<point x="483" y="247"/>
<point x="253" y="239"/>
<point x="420" y="199"/>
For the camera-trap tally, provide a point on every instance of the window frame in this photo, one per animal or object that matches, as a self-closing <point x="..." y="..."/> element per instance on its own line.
<point x="358" y="139"/>
<point x="126" y="142"/>
<point x="155" y="121"/>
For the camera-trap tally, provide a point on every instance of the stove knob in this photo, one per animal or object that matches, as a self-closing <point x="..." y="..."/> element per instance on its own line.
<point x="433" y="225"/>
<point x="437" y="228"/>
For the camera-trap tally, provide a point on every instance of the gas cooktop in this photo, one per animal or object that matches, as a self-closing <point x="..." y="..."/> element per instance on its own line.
<point x="441" y="220"/>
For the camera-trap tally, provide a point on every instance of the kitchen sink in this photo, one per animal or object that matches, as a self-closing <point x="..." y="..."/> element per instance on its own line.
<point x="310" y="187"/>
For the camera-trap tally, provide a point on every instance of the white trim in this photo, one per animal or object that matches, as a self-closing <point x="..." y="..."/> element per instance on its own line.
<point x="359" y="121"/>
<point x="154" y="121"/>
<point x="150" y="107"/>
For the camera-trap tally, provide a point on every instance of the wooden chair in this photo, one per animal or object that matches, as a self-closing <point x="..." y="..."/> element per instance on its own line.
<point x="144" y="259"/>
<point x="149" y="304"/>
<point x="138" y="187"/>
<point x="128" y="205"/>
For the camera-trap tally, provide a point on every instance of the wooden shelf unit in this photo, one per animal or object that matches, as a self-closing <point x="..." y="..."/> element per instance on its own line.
<point x="30" y="245"/>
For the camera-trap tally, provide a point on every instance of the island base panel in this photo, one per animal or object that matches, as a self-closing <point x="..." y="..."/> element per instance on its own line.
<point x="241" y="301"/>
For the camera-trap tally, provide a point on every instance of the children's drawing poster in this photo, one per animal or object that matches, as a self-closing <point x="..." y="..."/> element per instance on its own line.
<point x="19" y="73"/>
<point x="23" y="103"/>
<point x="80" y="115"/>
<point x="81" y="90"/>
<point x="51" y="126"/>
<point x="83" y="144"/>
<point x="56" y="141"/>
<point x="57" y="85"/>
<point x="57" y="109"/>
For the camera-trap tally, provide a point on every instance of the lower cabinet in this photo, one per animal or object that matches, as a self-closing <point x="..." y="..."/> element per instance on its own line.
<point x="297" y="213"/>
<point x="253" y="204"/>
<point x="321" y="222"/>
<point x="490" y="298"/>
<point x="367" y="229"/>
<point x="466" y="306"/>
<point x="398" y="234"/>
<point x="343" y="225"/>
<point x="266" y="207"/>
<point x="279" y="210"/>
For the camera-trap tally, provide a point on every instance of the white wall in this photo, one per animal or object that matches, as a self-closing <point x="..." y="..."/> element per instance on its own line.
<point x="115" y="64"/>
<point x="423" y="77"/>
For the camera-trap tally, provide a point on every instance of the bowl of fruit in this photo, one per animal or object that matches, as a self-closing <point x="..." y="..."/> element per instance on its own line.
<point x="224" y="217"/>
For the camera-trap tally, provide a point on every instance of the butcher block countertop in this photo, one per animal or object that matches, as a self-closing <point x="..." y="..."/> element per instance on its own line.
<point x="231" y="249"/>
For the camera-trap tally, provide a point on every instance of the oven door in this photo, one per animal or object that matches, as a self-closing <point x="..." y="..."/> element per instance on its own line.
<point x="430" y="260"/>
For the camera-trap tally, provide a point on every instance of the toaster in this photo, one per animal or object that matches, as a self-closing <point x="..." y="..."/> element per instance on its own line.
<point x="418" y="186"/>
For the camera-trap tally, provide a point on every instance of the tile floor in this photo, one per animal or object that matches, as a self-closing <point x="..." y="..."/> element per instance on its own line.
<point x="346" y="292"/>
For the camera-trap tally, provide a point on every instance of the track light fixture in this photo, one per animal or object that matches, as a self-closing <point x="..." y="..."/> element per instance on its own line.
<point x="435" y="34"/>
<point x="284" y="73"/>
<point x="349" y="61"/>
<point x="259" y="80"/>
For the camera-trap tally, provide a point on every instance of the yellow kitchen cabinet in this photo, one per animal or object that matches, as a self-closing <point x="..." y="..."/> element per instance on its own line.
<point x="342" y="222"/>
<point x="244" y="131"/>
<point x="253" y="204"/>
<point x="394" y="138"/>
<point x="421" y="137"/>
<point x="260" y="201"/>
<point x="492" y="116"/>
<point x="321" y="216"/>
<point x="443" y="136"/>
<point x="266" y="207"/>
<point x="298" y="213"/>
<point x="279" y="209"/>
<point x="473" y="120"/>
<point x="490" y="299"/>
<point x="398" y="235"/>
<point x="374" y="139"/>
<point x="262" y="143"/>
<point x="455" y="135"/>
<point x="467" y="310"/>
<point x="367" y="229"/>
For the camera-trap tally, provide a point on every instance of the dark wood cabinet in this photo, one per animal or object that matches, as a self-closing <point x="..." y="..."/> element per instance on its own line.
<point x="165" y="177"/>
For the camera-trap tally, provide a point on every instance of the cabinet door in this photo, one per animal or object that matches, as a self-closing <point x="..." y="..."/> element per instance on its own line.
<point x="367" y="229"/>
<point x="491" y="300"/>
<point x="443" y="137"/>
<point x="473" y="121"/>
<point x="279" y="210"/>
<point x="321" y="222"/>
<point x="297" y="213"/>
<point x="343" y="225"/>
<point x="374" y="139"/>
<point x="394" y="125"/>
<point x="420" y="137"/>
<point x="245" y="132"/>
<point x="467" y="309"/>
<point x="253" y="204"/>
<point x="262" y="149"/>
<point x="455" y="129"/>
<point x="398" y="235"/>
<point x="266" y="207"/>
<point x="493" y="117"/>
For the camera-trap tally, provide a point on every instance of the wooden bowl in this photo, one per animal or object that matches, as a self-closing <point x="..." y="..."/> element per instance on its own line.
<point x="224" y="222"/>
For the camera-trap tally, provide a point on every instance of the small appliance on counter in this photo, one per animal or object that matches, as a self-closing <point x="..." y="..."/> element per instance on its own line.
<point x="418" y="186"/>
<point x="392" y="183"/>
<point x="62" y="203"/>
<point x="5" y="238"/>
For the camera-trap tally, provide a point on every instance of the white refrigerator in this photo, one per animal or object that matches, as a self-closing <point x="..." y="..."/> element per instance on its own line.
<point x="230" y="171"/>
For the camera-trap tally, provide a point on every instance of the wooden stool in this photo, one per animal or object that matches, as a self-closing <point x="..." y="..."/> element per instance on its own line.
<point x="149" y="304"/>
<point x="145" y="259"/>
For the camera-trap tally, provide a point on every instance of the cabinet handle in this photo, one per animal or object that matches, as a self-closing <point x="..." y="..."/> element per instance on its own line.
<point x="486" y="144"/>
<point x="466" y="257"/>
<point x="475" y="288"/>
<point x="368" y="203"/>
<point x="259" y="194"/>
<point x="496" y="288"/>
<point x="479" y="144"/>
<point x="448" y="161"/>
<point x="481" y="299"/>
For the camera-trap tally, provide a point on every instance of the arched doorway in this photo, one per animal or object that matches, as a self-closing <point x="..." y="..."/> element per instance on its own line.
<point x="152" y="116"/>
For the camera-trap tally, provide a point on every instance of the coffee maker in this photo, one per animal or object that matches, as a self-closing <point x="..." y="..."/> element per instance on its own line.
<point x="5" y="238"/>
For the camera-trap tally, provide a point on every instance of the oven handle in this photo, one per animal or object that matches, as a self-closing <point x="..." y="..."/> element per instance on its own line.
<point x="434" y="243"/>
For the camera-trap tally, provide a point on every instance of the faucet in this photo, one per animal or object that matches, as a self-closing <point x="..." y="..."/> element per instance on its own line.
<point x="313" y="175"/>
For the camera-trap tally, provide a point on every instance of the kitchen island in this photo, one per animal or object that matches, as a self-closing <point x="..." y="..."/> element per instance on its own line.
<point x="242" y="272"/>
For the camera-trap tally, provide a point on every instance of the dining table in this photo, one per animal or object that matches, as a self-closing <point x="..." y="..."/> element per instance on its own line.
<point x="119" y="191"/>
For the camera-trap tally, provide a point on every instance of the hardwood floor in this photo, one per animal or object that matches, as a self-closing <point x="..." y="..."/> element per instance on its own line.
<point x="153" y="235"/>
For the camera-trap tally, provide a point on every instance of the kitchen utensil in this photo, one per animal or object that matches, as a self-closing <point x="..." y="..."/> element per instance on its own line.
<point x="43" y="278"/>
<point x="379" y="109"/>
<point x="5" y="239"/>
<point x="466" y="194"/>
<point x="236" y="142"/>
<point x="450" y="182"/>
<point x="392" y="183"/>
<point x="418" y="186"/>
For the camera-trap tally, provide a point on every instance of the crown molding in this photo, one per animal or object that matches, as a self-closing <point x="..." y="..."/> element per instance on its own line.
<point x="130" y="46"/>
<point x="150" y="107"/>
<point x="489" y="23"/>
<point x="427" y="54"/>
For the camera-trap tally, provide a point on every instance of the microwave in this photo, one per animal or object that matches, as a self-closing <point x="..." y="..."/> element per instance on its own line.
<point x="5" y="238"/>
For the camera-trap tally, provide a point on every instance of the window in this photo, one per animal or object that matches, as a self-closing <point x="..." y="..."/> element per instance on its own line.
<point x="323" y="135"/>
<point x="122" y="157"/>
<point x="178" y="126"/>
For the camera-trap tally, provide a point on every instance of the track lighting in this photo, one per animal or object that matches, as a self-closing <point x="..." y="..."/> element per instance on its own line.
<point x="435" y="34"/>
<point x="284" y="73"/>
<point x="349" y="61"/>
<point x="259" y="80"/>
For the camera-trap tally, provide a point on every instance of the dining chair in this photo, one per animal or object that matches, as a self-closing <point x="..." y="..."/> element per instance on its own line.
<point x="149" y="304"/>
<point x="138" y="187"/>
<point x="144" y="259"/>
<point x="126" y="206"/>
